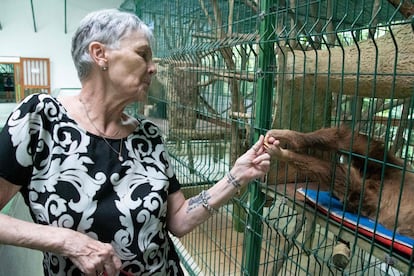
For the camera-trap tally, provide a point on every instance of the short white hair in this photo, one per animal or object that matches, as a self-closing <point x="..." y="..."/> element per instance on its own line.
<point x="108" y="27"/>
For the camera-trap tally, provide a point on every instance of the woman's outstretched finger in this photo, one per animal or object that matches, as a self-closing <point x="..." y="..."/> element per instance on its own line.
<point x="258" y="145"/>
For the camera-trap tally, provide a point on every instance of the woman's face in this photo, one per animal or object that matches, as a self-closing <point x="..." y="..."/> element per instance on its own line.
<point x="130" y="67"/>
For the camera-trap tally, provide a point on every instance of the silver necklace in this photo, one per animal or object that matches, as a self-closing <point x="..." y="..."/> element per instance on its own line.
<point x="119" y="153"/>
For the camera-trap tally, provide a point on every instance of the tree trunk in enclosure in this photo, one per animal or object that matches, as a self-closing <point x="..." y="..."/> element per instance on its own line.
<point x="182" y="93"/>
<point x="300" y="105"/>
<point x="379" y="68"/>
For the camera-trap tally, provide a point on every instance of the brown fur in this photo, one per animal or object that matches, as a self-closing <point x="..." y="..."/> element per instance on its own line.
<point x="346" y="181"/>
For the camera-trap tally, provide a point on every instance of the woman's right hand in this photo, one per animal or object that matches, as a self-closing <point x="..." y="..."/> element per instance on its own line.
<point x="92" y="257"/>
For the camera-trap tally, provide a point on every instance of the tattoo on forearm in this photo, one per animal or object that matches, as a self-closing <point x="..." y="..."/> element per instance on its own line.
<point x="196" y="201"/>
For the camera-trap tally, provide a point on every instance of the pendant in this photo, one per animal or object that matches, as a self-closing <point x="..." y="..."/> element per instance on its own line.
<point x="120" y="158"/>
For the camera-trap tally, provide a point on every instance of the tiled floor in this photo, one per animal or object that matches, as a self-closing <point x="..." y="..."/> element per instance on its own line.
<point x="216" y="248"/>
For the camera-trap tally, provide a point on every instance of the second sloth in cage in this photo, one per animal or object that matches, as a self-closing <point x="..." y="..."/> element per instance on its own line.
<point x="372" y="182"/>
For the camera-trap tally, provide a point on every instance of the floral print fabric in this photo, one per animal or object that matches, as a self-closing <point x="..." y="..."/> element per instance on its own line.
<point x="72" y="178"/>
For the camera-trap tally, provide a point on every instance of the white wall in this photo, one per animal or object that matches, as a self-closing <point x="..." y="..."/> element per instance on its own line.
<point x="18" y="38"/>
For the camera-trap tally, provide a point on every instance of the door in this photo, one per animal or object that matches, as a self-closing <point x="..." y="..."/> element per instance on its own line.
<point x="34" y="76"/>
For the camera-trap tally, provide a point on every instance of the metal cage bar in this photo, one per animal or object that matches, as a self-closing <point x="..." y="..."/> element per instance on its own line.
<point x="230" y="70"/>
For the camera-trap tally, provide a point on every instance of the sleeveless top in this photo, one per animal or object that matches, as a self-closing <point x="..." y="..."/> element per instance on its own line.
<point x="72" y="178"/>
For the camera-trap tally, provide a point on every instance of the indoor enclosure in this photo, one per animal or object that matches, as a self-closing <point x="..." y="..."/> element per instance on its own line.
<point x="229" y="71"/>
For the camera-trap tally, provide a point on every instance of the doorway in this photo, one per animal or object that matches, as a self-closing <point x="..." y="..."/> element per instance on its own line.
<point x="7" y="83"/>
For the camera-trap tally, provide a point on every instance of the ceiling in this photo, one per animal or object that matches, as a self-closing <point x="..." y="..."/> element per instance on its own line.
<point x="365" y="16"/>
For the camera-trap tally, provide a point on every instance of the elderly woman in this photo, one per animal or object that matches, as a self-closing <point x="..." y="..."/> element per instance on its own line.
<point x="99" y="183"/>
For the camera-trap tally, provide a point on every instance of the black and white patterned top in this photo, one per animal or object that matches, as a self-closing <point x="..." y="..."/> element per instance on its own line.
<point x="71" y="178"/>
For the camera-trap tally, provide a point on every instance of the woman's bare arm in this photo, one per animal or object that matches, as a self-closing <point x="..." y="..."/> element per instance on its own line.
<point x="87" y="254"/>
<point x="185" y="214"/>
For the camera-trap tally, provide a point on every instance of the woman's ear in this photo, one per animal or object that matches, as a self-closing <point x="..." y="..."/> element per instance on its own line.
<point x="97" y="52"/>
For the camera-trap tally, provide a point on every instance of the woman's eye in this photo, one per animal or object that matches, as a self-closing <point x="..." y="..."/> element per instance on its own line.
<point x="144" y="55"/>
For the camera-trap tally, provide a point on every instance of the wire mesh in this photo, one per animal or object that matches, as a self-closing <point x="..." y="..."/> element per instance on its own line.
<point x="222" y="65"/>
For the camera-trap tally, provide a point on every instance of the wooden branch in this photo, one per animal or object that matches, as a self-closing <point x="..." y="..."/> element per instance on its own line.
<point x="207" y="82"/>
<point x="217" y="16"/>
<point x="193" y="134"/>
<point x="230" y="17"/>
<point x="399" y="137"/>
<point x="210" y="109"/>
<point x="217" y="121"/>
<point x="250" y="77"/>
<point x="252" y="4"/>
<point x="227" y="37"/>
<point x="382" y="69"/>
<point x="203" y="7"/>
<point x="375" y="8"/>
<point x="240" y="115"/>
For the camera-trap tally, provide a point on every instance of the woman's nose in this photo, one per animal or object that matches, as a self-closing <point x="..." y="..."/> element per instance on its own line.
<point x="152" y="69"/>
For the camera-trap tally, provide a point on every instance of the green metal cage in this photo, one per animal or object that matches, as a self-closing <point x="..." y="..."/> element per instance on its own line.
<point x="229" y="71"/>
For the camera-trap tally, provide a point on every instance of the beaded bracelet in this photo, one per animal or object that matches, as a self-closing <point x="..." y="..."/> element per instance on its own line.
<point x="232" y="180"/>
<point x="204" y="199"/>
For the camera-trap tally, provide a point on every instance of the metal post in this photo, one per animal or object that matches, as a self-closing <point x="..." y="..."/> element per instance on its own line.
<point x="263" y="112"/>
<point x="33" y="16"/>
<point x="66" y="17"/>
